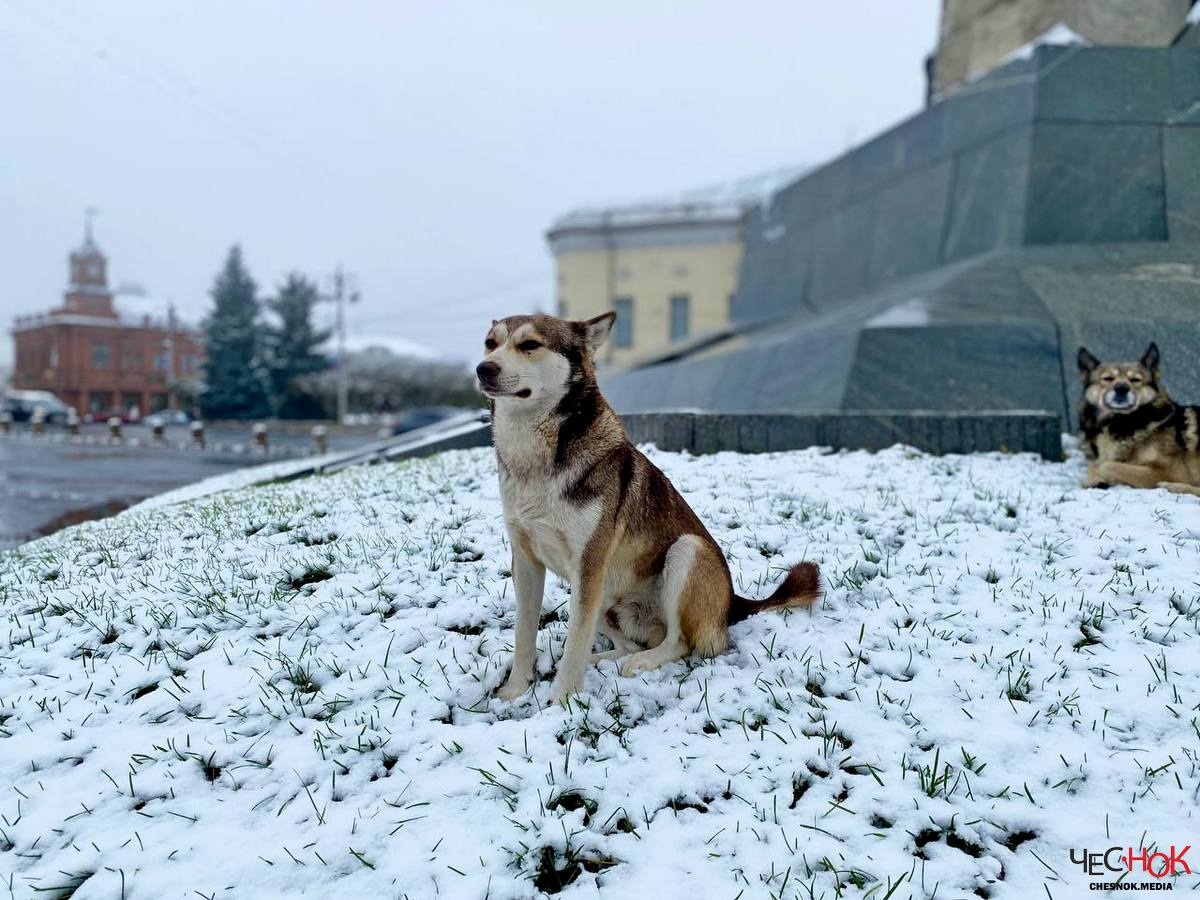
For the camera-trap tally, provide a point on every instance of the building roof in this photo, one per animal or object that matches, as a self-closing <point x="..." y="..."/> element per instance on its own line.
<point x="133" y="311"/>
<point x="136" y="307"/>
<point x="717" y="203"/>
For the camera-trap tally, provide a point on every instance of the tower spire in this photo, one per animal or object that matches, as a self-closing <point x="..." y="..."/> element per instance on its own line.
<point x="89" y="213"/>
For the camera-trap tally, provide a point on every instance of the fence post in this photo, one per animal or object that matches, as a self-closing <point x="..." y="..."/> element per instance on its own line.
<point x="260" y="437"/>
<point x="320" y="437"/>
<point x="198" y="434"/>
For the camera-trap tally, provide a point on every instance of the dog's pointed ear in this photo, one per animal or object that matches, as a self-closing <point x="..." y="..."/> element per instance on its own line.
<point x="598" y="330"/>
<point x="1087" y="363"/>
<point x="1150" y="358"/>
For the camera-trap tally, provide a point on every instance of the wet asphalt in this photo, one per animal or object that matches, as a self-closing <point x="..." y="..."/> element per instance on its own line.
<point x="50" y="482"/>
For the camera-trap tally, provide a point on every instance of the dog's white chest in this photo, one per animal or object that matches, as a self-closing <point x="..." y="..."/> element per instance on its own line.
<point x="554" y="530"/>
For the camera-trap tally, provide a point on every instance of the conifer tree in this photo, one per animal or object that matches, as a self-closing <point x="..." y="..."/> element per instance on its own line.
<point x="234" y="386"/>
<point x="293" y="349"/>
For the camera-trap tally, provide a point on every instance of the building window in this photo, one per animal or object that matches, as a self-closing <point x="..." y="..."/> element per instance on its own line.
<point x="101" y="355"/>
<point x="131" y="360"/>
<point x="623" y="328"/>
<point x="160" y="362"/>
<point x="680" y="316"/>
<point x="158" y="402"/>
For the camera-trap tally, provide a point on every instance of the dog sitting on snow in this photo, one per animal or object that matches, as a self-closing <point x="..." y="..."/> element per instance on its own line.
<point x="580" y="500"/>
<point x="1133" y="432"/>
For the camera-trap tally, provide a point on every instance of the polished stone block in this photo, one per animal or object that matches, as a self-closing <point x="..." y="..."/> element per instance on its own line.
<point x="1181" y="162"/>
<point x="987" y="208"/>
<point x="1095" y="183"/>
<point x="932" y="432"/>
<point x="901" y="242"/>
<point x="956" y="261"/>
<point x="989" y="366"/>
<point x="1106" y="85"/>
<point x="840" y="254"/>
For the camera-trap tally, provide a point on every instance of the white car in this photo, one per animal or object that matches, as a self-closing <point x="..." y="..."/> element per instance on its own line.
<point x="22" y="404"/>
<point x="166" y="417"/>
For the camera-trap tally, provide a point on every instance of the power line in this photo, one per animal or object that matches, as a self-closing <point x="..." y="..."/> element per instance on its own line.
<point x="169" y="83"/>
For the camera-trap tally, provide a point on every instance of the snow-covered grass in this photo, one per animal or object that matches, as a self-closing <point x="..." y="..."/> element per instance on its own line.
<point x="288" y="688"/>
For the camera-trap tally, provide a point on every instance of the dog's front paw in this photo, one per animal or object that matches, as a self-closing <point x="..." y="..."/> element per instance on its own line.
<point x="513" y="688"/>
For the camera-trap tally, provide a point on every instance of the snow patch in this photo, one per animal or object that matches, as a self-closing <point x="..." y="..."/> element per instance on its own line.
<point x="289" y="688"/>
<point x="231" y="481"/>
<point x="912" y="313"/>
<point x="1059" y="35"/>
<point x="359" y="342"/>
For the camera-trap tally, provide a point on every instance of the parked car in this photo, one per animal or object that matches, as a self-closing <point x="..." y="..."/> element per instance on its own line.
<point x="21" y="405"/>
<point x="166" y="417"/>
<point x="129" y="416"/>
<point x="423" y="416"/>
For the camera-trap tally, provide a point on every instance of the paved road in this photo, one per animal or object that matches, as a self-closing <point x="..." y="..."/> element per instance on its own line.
<point x="49" y="483"/>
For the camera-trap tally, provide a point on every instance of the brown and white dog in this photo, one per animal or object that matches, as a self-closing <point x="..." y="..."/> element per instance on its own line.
<point x="581" y="500"/>
<point x="1133" y="432"/>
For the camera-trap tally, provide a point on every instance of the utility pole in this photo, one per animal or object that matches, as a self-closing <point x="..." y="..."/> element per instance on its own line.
<point x="170" y="348"/>
<point x="344" y="292"/>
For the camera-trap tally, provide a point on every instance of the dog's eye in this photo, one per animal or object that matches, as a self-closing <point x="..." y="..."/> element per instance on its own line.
<point x="489" y="344"/>
<point x="528" y="346"/>
<point x="1135" y="379"/>
<point x="1108" y="379"/>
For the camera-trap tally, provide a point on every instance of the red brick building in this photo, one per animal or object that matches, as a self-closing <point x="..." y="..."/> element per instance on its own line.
<point x="95" y="358"/>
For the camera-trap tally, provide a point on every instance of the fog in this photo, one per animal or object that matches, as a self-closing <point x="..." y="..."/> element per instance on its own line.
<point x="426" y="147"/>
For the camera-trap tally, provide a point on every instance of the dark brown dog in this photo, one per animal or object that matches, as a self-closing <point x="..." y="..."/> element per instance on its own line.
<point x="1133" y="432"/>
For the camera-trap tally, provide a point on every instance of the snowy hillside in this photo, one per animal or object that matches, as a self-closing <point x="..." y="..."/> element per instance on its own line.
<point x="288" y="689"/>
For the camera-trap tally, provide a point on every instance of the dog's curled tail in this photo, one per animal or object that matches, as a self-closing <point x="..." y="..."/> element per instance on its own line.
<point x="802" y="587"/>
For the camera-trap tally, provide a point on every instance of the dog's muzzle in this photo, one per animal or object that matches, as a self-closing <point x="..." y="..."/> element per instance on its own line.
<point x="1120" y="398"/>
<point x="488" y="374"/>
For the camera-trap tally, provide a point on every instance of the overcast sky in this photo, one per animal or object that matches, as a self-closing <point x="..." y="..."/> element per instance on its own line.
<point x="426" y="146"/>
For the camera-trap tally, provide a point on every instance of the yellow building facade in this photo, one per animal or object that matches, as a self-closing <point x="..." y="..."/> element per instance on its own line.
<point x="669" y="268"/>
